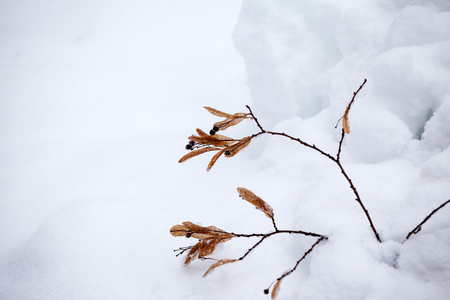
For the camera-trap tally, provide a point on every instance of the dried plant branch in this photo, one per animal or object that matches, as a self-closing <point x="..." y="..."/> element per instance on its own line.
<point x="209" y="237"/>
<point x="197" y="249"/>
<point x="419" y="227"/>
<point x="336" y="159"/>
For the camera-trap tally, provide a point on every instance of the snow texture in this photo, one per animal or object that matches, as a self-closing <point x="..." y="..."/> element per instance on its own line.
<point x="98" y="98"/>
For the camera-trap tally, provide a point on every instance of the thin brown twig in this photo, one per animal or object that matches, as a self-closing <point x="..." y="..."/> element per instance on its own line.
<point x="277" y="232"/>
<point x="351" y="102"/>
<point x="338" y="156"/>
<point x="181" y="250"/>
<point x="254" y="118"/>
<point x="358" y="199"/>
<point x="302" y="258"/>
<point x="253" y="247"/>
<point x="274" y="224"/>
<point x="419" y="227"/>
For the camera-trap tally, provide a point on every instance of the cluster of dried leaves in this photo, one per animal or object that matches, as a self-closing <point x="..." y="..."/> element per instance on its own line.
<point x="211" y="236"/>
<point x="203" y="142"/>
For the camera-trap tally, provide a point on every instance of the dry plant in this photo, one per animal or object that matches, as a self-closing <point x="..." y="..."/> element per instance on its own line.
<point x="209" y="237"/>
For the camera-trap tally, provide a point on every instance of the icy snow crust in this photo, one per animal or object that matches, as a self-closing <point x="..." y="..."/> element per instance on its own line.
<point x="98" y="99"/>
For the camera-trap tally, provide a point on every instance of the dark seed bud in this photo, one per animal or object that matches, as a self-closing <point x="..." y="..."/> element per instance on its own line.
<point x="266" y="291"/>
<point x="227" y="152"/>
<point x="215" y="128"/>
<point x="188" y="235"/>
<point x="212" y="132"/>
<point x="188" y="147"/>
<point x="192" y="143"/>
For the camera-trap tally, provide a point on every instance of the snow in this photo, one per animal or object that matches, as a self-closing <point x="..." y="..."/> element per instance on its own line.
<point x="98" y="99"/>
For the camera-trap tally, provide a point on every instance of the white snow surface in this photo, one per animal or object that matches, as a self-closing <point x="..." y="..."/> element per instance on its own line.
<point x="97" y="99"/>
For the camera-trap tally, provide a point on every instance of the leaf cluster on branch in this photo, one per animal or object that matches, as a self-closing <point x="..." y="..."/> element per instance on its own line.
<point x="209" y="237"/>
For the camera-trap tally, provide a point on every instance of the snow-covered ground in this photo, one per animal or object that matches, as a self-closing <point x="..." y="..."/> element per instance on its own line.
<point x="97" y="99"/>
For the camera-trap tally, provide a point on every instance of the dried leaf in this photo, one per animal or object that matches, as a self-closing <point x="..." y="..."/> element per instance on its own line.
<point x="222" y="125"/>
<point x="197" y="152"/>
<point x="276" y="289"/>
<point x="200" y="232"/>
<point x="217" y="113"/>
<point x="345" y="122"/>
<point x="256" y="201"/>
<point x="209" y="237"/>
<point x="178" y="230"/>
<point x="235" y="148"/>
<point x="221" y="137"/>
<point x="242" y="115"/>
<point x="203" y="248"/>
<point x="218" y="264"/>
<point x="214" y="159"/>
<point x="201" y="132"/>
<point x="208" y="247"/>
<point x="193" y="253"/>
<point x="213" y="140"/>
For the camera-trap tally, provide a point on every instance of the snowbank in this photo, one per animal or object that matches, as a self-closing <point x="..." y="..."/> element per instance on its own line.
<point x="99" y="100"/>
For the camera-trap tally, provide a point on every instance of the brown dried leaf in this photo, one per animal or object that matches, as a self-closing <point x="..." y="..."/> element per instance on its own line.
<point x="234" y="149"/>
<point x="200" y="232"/>
<point x="178" y="230"/>
<point x="218" y="264"/>
<point x="217" y="140"/>
<point x="193" y="253"/>
<point x="201" y="132"/>
<point x="214" y="159"/>
<point x="256" y="201"/>
<point x="208" y="247"/>
<point x="276" y="289"/>
<point x="345" y="121"/>
<point x="242" y="115"/>
<point x="192" y="226"/>
<point x="217" y="113"/>
<point x="222" y="125"/>
<point x="209" y="237"/>
<point x="221" y="137"/>
<point x="197" y="152"/>
<point x="203" y="248"/>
